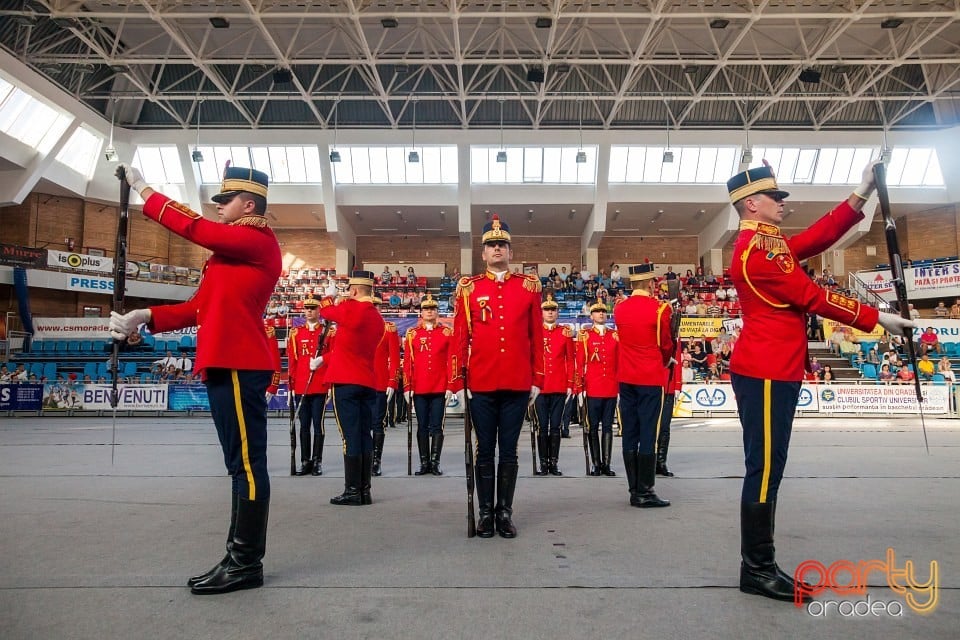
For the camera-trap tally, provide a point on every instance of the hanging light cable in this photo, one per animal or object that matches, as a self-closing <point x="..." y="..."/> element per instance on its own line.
<point x="502" y="154"/>
<point x="197" y="156"/>
<point x="581" y="154"/>
<point x="414" y="156"/>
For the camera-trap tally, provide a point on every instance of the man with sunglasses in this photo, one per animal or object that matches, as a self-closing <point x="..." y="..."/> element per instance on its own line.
<point x="498" y="335"/>
<point x="768" y="365"/>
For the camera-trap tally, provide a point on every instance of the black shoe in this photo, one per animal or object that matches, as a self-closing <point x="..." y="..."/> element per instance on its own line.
<point x="759" y="573"/>
<point x="423" y="446"/>
<point x="605" y="454"/>
<point x="366" y="466"/>
<point x="485" y="480"/>
<point x="646" y="477"/>
<point x="306" y="468"/>
<point x="663" y="443"/>
<point x="436" y="447"/>
<point x="226" y="558"/>
<point x="351" y="482"/>
<point x="553" y="444"/>
<point x="630" y="465"/>
<point x="543" y="469"/>
<point x="593" y="443"/>
<point x="377" y="453"/>
<point x="317" y="468"/>
<point x="318" y="455"/>
<point x="506" y="485"/>
<point x="243" y="569"/>
<point x="565" y="433"/>
<point x="662" y="469"/>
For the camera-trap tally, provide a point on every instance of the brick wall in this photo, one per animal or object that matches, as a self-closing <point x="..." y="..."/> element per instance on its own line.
<point x="314" y="247"/>
<point x="626" y="250"/>
<point x="17" y="224"/>
<point x="394" y="249"/>
<point x="535" y="249"/>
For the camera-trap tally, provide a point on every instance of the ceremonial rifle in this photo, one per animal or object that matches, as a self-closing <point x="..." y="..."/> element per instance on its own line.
<point x="468" y="456"/>
<point x="898" y="282"/>
<point x="534" y="431"/>
<point x="119" y="292"/>
<point x="410" y="410"/>
<point x="296" y="412"/>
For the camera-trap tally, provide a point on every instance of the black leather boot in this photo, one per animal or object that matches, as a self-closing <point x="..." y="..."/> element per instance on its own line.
<point x="663" y="443"/>
<point x="606" y="453"/>
<point x="543" y="452"/>
<point x="593" y="438"/>
<point x="226" y="558"/>
<point x="243" y="569"/>
<point x="423" y="446"/>
<point x="366" y="467"/>
<point x="646" y="477"/>
<point x="377" y="452"/>
<point x="318" y="455"/>
<point x="485" y="478"/>
<point x="436" y="446"/>
<point x="630" y="466"/>
<point x="553" y="444"/>
<point x="351" y="482"/>
<point x="506" y="485"/>
<point x="759" y="573"/>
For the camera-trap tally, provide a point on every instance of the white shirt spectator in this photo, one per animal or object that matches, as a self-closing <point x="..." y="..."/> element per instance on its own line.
<point x="184" y="364"/>
<point x="331" y="289"/>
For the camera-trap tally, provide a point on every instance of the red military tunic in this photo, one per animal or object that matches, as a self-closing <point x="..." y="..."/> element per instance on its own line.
<point x="359" y="329"/>
<point x="558" y="359"/>
<point x="426" y="358"/>
<point x="237" y="282"/>
<point x="301" y="347"/>
<point x="775" y="294"/>
<point x="596" y="363"/>
<point x="645" y="343"/>
<point x="277" y="362"/>
<point x="388" y="358"/>
<point x="675" y="382"/>
<point x="498" y="326"/>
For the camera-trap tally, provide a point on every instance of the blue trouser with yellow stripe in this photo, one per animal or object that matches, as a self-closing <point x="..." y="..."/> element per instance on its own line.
<point x="430" y="409"/>
<point x="640" y="409"/>
<point x="239" y="407"/>
<point x="353" y="407"/>
<point x="766" y="410"/>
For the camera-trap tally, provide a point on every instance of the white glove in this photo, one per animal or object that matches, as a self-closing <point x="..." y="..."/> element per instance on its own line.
<point x="315" y="363"/>
<point x="867" y="186"/>
<point x="122" y="326"/>
<point x="582" y="396"/>
<point x="133" y="176"/>
<point x="390" y="392"/>
<point x="672" y="361"/>
<point x="409" y="396"/>
<point x="534" y="392"/>
<point x="894" y="324"/>
<point x="447" y="396"/>
<point x="269" y="397"/>
<point x="569" y="393"/>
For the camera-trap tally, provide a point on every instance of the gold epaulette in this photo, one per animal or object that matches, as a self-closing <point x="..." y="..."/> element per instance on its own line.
<point x="531" y="283"/>
<point x="447" y="331"/>
<point x="332" y="332"/>
<point x="616" y="336"/>
<point x="271" y="332"/>
<point x="465" y="285"/>
<point x="250" y="221"/>
<point x="567" y="332"/>
<point x="179" y="208"/>
<point x="390" y="326"/>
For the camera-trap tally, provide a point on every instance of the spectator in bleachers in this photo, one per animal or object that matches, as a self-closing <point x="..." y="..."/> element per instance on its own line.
<point x="945" y="369"/>
<point x="815" y="367"/>
<point x="397" y="279"/>
<point x="670" y="275"/>
<point x="886" y="375"/>
<point x="701" y="307"/>
<point x="904" y="375"/>
<point x="955" y="310"/>
<point x="690" y="279"/>
<point x="386" y="275"/>
<point x="827" y="377"/>
<point x="929" y="341"/>
<point x="166" y="361"/>
<point x="615" y="274"/>
<point x="411" y="277"/>
<point x="395" y="300"/>
<point x="827" y="370"/>
<point x="577" y="281"/>
<point x="553" y="274"/>
<point x="698" y="358"/>
<point x="19" y="374"/>
<point x="5" y="374"/>
<point x="620" y="297"/>
<point x="847" y="345"/>
<point x="283" y="309"/>
<point x="184" y="364"/>
<point x="691" y="308"/>
<point x="87" y="379"/>
<point x="914" y="312"/>
<point x="585" y="273"/>
<point x="687" y="373"/>
<point x="604" y="280"/>
<point x="926" y="367"/>
<point x="941" y="310"/>
<point x="710" y="278"/>
<point x="872" y="356"/>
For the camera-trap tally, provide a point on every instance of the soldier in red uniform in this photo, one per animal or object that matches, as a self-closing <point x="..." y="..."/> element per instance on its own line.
<point x="596" y="382"/>
<point x="234" y="357"/>
<point x="386" y="364"/>
<point x="646" y="347"/>
<point x="427" y="356"/>
<point x="670" y="391"/>
<point x="768" y="365"/>
<point x="302" y="361"/>
<point x="558" y="366"/>
<point x="497" y="326"/>
<point x="353" y="382"/>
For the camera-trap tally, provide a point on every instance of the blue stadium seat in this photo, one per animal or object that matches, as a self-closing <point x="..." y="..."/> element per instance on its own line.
<point x="90" y="369"/>
<point x="61" y="346"/>
<point x="73" y="346"/>
<point x="149" y="342"/>
<point x="49" y="370"/>
<point x="129" y="369"/>
<point x="870" y="371"/>
<point x="938" y="377"/>
<point x="186" y="342"/>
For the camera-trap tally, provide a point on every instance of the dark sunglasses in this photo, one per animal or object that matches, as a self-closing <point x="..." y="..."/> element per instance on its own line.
<point x="497" y="243"/>
<point x="776" y="197"/>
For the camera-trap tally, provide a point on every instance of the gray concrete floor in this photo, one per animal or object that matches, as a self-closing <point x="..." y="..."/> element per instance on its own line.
<point x="99" y="550"/>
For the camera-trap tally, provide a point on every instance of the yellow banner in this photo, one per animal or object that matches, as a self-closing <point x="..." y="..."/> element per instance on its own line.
<point x="699" y="327"/>
<point x="830" y="326"/>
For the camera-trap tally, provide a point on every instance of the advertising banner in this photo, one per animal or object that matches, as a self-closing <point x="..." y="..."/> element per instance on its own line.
<point x="187" y="397"/>
<point x="79" y="261"/>
<point x="927" y="281"/>
<point x="16" y="256"/>
<point x="71" y="328"/>
<point x="698" y="327"/>
<point x="96" y="397"/>
<point x="90" y="284"/>
<point x="21" y="397"/>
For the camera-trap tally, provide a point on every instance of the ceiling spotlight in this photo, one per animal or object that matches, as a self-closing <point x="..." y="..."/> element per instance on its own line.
<point x="119" y="68"/>
<point x="581" y="157"/>
<point x="886" y="155"/>
<point x="413" y="156"/>
<point x="561" y="68"/>
<point x="535" y="75"/>
<point x="51" y="68"/>
<point x="810" y="76"/>
<point x="843" y="69"/>
<point x="389" y="23"/>
<point x="719" y="23"/>
<point x="282" y="76"/>
<point x="197" y="155"/>
<point x="219" y="22"/>
<point x="747" y="156"/>
<point x="544" y="22"/>
<point x="334" y="156"/>
<point x="501" y="156"/>
<point x="891" y="23"/>
<point x="667" y="157"/>
<point x="111" y="154"/>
